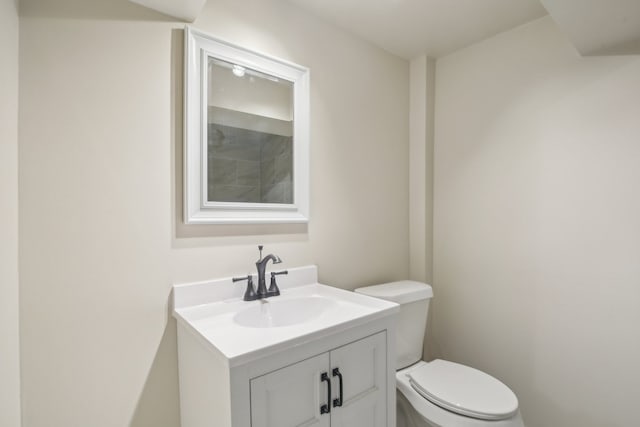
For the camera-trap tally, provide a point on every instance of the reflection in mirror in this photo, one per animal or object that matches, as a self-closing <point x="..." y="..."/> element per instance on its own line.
<point x="249" y="135"/>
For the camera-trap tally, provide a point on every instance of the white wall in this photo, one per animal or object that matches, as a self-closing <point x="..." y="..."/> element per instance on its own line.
<point x="537" y="237"/>
<point x="9" y="339"/>
<point x="100" y="232"/>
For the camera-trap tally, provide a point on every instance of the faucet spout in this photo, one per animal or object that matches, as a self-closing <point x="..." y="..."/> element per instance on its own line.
<point x="261" y="265"/>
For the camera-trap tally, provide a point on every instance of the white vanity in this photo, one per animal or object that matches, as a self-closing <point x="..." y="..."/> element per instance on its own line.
<point x="313" y="356"/>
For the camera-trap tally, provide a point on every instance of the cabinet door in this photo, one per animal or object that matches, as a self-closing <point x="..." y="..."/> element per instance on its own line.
<point x="363" y="365"/>
<point x="291" y="396"/>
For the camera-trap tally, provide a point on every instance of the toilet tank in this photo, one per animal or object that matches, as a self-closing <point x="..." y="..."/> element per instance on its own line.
<point x="413" y="298"/>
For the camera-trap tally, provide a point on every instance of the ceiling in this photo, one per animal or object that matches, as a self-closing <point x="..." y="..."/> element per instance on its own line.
<point x="409" y="28"/>
<point x="186" y="10"/>
<point x="599" y="27"/>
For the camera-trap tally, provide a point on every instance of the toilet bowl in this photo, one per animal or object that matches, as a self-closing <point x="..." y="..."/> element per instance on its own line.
<point x="439" y="393"/>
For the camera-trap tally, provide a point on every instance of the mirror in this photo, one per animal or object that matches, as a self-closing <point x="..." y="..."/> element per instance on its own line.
<point x="250" y="135"/>
<point x="246" y="135"/>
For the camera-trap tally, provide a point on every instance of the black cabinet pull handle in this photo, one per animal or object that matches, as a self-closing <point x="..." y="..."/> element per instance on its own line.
<point x="325" y="409"/>
<point x="338" y="401"/>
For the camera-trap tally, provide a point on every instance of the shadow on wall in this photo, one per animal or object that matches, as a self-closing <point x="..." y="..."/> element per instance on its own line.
<point x="160" y="399"/>
<point x="121" y="10"/>
<point x="550" y="413"/>
<point x="628" y="48"/>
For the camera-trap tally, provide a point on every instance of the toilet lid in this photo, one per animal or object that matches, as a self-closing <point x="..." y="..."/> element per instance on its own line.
<point x="464" y="390"/>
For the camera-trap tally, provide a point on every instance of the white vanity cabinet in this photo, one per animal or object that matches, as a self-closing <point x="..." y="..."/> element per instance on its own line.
<point x="261" y="363"/>
<point x="345" y="387"/>
<point x="291" y="396"/>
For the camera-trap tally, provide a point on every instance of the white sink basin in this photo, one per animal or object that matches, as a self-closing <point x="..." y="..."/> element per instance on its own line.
<point x="273" y="313"/>
<point x="241" y="331"/>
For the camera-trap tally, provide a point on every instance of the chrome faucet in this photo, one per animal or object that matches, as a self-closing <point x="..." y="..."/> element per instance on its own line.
<point x="261" y="265"/>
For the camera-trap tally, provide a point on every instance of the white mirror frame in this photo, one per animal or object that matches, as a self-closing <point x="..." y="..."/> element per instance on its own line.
<point x="197" y="209"/>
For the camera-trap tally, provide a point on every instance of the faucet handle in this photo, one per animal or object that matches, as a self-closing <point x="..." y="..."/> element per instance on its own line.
<point x="243" y="278"/>
<point x="273" y="286"/>
<point x="278" y="273"/>
<point x="250" y="293"/>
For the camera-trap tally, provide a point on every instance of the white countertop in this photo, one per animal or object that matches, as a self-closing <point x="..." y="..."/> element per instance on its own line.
<point x="209" y="310"/>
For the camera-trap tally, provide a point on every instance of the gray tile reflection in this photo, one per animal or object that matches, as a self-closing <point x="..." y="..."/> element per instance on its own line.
<point x="248" y="173"/>
<point x="249" y="166"/>
<point x="274" y="194"/>
<point x="222" y="171"/>
<point x="235" y="193"/>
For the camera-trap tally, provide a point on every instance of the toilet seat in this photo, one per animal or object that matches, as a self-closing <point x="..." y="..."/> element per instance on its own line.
<point x="463" y="390"/>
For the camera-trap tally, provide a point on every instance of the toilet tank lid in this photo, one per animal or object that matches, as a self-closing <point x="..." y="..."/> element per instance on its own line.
<point x="402" y="292"/>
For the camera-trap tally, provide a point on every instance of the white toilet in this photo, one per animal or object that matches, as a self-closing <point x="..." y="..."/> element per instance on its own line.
<point x="439" y="393"/>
